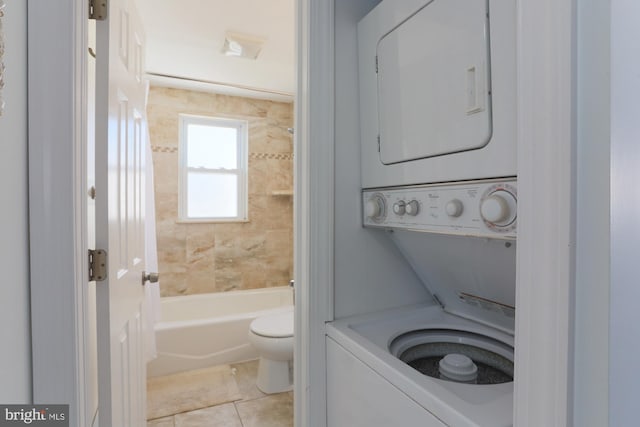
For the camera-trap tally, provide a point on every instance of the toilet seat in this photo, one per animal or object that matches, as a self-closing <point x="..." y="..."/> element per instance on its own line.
<point x="274" y="326"/>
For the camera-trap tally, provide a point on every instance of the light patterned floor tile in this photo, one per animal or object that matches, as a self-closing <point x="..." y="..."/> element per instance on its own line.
<point x="161" y="422"/>
<point x="271" y="411"/>
<point x="188" y="391"/>
<point x="215" y="416"/>
<point x="246" y="374"/>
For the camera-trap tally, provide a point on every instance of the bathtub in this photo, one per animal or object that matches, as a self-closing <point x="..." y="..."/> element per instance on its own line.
<point x="196" y="331"/>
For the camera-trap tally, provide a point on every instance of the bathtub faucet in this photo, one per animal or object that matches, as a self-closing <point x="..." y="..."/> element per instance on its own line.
<point x="293" y="289"/>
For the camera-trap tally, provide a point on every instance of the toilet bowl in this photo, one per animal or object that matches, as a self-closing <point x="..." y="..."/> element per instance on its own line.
<point x="272" y="336"/>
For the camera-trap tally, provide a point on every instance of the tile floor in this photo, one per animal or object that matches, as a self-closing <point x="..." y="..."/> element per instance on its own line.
<point x="254" y="409"/>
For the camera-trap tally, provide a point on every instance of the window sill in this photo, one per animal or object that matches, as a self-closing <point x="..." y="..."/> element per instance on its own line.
<point x="211" y="221"/>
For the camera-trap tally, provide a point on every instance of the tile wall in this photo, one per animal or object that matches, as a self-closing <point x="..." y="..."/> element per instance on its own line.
<point x="218" y="257"/>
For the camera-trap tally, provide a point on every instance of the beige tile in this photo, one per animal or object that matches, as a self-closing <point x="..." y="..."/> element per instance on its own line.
<point x="200" y="282"/>
<point x="172" y="273"/>
<point x="278" y="266"/>
<point x="172" y="284"/>
<point x="168" y="97"/>
<point x="269" y="136"/>
<point x="246" y="374"/>
<point x="171" y="260"/>
<point x="229" y="279"/>
<point x="259" y="179"/>
<point x="279" y="241"/>
<point x="258" y="133"/>
<point x="279" y="139"/>
<point x="199" y="254"/>
<point x="166" y="207"/>
<point x="163" y="127"/>
<point x="197" y="258"/>
<point x="242" y="106"/>
<point x="252" y="245"/>
<point x="254" y="279"/>
<point x="234" y="247"/>
<point x="216" y="416"/>
<point x="258" y="215"/>
<point x="279" y="213"/>
<point x="270" y="411"/>
<point x="281" y="111"/>
<point x="172" y="265"/>
<point x="201" y="102"/>
<point x="161" y="422"/>
<point x="165" y="137"/>
<point x="165" y="168"/>
<point x="201" y="265"/>
<point x="277" y="277"/>
<point x="187" y="391"/>
<point x="279" y="174"/>
<point x="171" y="254"/>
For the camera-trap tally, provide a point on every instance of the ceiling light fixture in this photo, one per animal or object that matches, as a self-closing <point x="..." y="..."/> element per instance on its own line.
<point x="242" y="45"/>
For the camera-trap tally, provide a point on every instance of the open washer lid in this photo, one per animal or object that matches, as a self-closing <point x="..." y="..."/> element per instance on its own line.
<point x="470" y="277"/>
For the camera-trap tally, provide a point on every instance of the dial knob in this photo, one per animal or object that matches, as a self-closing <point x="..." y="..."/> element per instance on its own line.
<point x="499" y="208"/>
<point x="399" y="207"/>
<point x="454" y="208"/>
<point x="374" y="208"/>
<point x="412" y="208"/>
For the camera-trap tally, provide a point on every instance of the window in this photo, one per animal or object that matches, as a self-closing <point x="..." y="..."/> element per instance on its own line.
<point x="213" y="169"/>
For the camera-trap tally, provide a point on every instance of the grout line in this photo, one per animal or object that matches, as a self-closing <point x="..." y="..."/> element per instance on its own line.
<point x="173" y="420"/>
<point x="237" y="413"/>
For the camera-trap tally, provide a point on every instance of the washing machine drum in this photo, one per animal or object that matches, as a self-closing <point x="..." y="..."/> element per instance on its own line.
<point x="457" y="356"/>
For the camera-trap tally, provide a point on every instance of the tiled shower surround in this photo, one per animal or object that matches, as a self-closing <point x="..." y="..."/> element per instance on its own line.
<point x="217" y="257"/>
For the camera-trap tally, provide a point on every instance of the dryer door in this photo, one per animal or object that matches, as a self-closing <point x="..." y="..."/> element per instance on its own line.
<point x="434" y="91"/>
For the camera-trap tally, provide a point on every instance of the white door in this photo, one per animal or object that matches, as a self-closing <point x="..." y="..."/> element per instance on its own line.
<point x="120" y="168"/>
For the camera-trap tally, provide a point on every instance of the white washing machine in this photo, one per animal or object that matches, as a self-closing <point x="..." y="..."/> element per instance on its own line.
<point x="437" y="91"/>
<point x="449" y="363"/>
<point x="438" y="151"/>
<point x="369" y="386"/>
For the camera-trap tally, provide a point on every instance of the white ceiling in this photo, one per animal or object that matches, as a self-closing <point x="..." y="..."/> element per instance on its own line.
<point x="185" y="38"/>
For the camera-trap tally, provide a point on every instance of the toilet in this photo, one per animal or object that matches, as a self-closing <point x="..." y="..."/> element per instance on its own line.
<point x="272" y="336"/>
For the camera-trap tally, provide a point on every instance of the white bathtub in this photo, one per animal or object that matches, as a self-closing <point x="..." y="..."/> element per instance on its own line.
<point x="203" y="330"/>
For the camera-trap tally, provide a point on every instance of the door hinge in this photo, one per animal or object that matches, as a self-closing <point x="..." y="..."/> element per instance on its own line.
<point x="376" y="64"/>
<point x="98" y="9"/>
<point x="378" y="143"/>
<point x="97" y="265"/>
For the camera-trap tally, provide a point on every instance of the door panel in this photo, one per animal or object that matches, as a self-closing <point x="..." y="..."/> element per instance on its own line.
<point x="357" y="396"/>
<point x="120" y="166"/>
<point x="434" y="83"/>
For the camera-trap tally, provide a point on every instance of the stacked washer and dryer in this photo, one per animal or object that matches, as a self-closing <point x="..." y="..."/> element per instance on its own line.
<point x="438" y="147"/>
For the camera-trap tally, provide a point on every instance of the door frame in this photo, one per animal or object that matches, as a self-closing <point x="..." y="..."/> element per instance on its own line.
<point x="546" y="132"/>
<point x="57" y="126"/>
<point x="57" y="103"/>
<point x="313" y="207"/>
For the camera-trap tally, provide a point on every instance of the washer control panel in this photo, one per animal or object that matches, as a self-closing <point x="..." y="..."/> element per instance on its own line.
<point x="472" y="208"/>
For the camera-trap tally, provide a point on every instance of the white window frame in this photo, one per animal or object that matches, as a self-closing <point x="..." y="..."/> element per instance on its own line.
<point x="242" y="146"/>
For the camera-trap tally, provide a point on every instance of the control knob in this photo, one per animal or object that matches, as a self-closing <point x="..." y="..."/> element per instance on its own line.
<point x="454" y="208"/>
<point x="412" y="208"/>
<point x="499" y="208"/>
<point x="399" y="207"/>
<point x="375" y="208"/>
